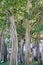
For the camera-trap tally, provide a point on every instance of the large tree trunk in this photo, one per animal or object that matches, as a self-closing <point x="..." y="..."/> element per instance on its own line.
<point x="21" y="51"/>
<point x="0" y="45"/>
<point x="3" y="51"/>
<point x="28" y="55"/>
<point x="0" y="42"/>
<point x="3" y="47"/>
<point x="38" y="54"/>
<point x="13" y="59"/>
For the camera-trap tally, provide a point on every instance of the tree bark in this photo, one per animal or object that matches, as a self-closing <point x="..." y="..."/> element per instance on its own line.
<point x="21" y="52"/>
<point x="28" y="55"/>
<point x="13" y="59"/>
<point x="0" y="45"/>
<point x="38" y="54"/>
<point x="0" y="42"/>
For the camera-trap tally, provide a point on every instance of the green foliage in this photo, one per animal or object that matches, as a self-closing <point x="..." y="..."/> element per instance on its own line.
<point x="27" y="15"/>
<point x="20" y="28"/>
<point x="40" y="27"/>
<point x="18" y="9"/>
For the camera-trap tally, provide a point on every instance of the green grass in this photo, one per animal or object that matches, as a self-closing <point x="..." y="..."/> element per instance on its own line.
<point x="7" y="63"/>
<point x="35" y="63"/>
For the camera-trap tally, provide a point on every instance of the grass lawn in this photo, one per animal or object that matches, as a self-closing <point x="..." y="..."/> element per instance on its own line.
<point x="7" y="63"/>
